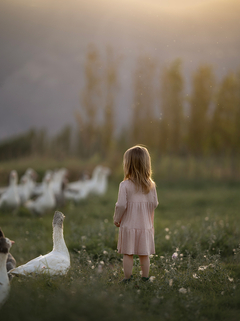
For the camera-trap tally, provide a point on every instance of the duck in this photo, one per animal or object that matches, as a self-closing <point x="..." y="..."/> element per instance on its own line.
<point x="11" y="262"/>
<point x="57" y="262"/>
<point x="5" y="245"/>
<point x="44" y="202"/>
<point x="10" y="199"/>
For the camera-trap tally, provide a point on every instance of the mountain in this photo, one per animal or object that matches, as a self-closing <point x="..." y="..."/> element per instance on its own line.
<point x="44" y="44"/>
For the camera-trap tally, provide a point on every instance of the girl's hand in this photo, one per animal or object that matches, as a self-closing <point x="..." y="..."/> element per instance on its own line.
<point x="117" y="223"/>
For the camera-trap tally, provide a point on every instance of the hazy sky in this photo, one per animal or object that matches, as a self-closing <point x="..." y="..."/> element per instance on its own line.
<point x="44" y="43"/>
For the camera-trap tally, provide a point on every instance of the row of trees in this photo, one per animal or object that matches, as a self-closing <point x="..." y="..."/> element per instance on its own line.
<point x="163" y="117"/>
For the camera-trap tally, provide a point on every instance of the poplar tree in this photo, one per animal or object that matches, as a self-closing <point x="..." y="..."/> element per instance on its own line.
<point x="226" y="116"/>
<point x="171" y="107"/>
<point x="87" y="118"/>
<point x="143" y="105"/>
<point x="200" y="103"/>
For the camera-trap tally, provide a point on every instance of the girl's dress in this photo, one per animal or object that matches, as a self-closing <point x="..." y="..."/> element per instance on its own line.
<point x="135" y="212"/>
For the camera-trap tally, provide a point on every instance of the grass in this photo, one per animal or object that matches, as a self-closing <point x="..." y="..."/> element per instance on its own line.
<point x="198" y="220"/>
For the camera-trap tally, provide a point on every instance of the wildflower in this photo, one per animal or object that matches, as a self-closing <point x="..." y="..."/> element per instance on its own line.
<point x="170" y="282"/>
<point x="222" y="292"/>
<point x="195" y="276"/>
<point x="174" y="256"/>
<point x="167" y="237"/>
<point x="206" y="218"/>
<point x="161" y="257"/>
<point x="120" y="295"/>
<point x="83" y="238"/>
<point x="89" y="261"/>
<point x="92" y="267"/>
<point x="152" y="278"/>
<point x="230" y="279"/>
<point x="151" y="256"/>
<point x="183" y="290"/>
<point x="105" y="252"/>
<point x="115" y="273"/>
<point x="83" y="246"/>
<point x="202" y="268"/>
<point x="167" y="229"/>
<point x="101" y="262"/>
<point x="166" y="270"/>
<point x="181" y="255"/>
<point x="138" y="291"/>
<point x="99" y="269"/>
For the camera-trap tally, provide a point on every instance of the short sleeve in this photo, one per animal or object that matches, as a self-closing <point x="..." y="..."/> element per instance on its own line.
<point x="121" y="204"/>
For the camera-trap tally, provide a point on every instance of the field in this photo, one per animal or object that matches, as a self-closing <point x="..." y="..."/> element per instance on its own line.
<point x="197" y="219"/>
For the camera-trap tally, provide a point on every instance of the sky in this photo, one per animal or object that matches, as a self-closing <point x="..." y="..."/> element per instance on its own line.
<point x="44" y="44"/>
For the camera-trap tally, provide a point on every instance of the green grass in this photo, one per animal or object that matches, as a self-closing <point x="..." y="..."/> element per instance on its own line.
<point x="199" y="220"/>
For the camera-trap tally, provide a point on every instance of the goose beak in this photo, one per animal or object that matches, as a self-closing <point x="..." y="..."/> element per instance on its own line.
<point x="12" y="242"/>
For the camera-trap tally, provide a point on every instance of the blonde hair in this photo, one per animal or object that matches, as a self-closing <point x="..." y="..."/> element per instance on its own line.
<point x="137" y="167"/>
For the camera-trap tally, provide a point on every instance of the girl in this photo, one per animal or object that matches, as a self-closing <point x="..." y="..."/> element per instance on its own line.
<point x="134" y="211"/>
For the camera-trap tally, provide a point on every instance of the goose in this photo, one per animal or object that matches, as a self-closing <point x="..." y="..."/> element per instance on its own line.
<point x="44" y="202"/>
<point x="54" y="263"/>
<point x="5" y="245"/>
<point x="10" y="198"/>
<point x="27" y="186"/>
<point x="81" y="189"/>
<point x="11" y="262"/>
<point x="100" y="187"/>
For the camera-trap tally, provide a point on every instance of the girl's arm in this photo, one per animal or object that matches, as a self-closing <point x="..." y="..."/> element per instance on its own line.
<point x="121" y="204"/>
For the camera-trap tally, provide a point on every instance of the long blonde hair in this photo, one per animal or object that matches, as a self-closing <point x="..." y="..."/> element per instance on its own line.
<point x="137" y="167"/>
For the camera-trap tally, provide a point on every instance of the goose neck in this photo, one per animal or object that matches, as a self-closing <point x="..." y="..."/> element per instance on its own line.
<point x="58" y="240"/>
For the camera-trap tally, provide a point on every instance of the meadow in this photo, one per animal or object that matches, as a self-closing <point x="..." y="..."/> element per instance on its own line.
<point x="197" y="219"/>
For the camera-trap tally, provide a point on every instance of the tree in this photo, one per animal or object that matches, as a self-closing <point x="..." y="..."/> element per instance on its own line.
<point x="200" y="103"/>
<point x="143" y="117"/>
<point x="88" y="117"/>
<point x="171" y="107"/>
<point x="226" y="116"/>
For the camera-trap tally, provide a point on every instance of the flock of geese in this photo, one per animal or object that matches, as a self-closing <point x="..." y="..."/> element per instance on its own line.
<point x="52" y="191"/>
<point x="39" y="198"/>
<point x="57" y="262"/>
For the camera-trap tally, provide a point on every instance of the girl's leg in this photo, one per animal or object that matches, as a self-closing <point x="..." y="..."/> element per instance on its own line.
<point x="127" y="265"/>
<point x="145" y="265"/>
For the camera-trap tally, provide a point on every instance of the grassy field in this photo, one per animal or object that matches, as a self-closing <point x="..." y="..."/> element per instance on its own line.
<point x="198" y="220"/>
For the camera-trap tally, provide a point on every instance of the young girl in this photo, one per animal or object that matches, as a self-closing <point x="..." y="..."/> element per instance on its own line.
<point x="134" y="211"/>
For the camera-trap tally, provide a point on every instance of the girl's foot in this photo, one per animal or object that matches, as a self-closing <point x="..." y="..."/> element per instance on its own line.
<point x="124" y="281"/>
<point x="145" y="279"/>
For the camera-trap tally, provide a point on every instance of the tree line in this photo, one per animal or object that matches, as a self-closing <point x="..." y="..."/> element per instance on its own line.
<point x="204" y="122"/>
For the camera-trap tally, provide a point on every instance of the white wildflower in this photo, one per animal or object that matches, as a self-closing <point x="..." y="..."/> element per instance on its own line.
<point x="222" y="292"/>
<point x="167" y="229"/>
<point x="105" y="252"/>
<point x="170" y="282"/>
<point x="92" y="267"/>
<point x="161" y="257"/>
<point x="195" y="276"/>
<point x="83" y="238"/>
<point x="89" y="261"/>
<point x="167" y="237"/>
<point x="183" y="290"/>
<point x="230" y="279"/>
<point x="100" y="268"/>
<point x="101" y="262"/>
<point x="83" y="246"/>
<point x="206" y="218"/>
<point x="202" y="268"/>
<point x="151" y="256"/>
<point x="174" y="256"/>
<point x="152" y="278"/>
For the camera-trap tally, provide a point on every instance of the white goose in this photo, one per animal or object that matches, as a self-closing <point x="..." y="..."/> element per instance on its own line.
<point x="44" y="202"/>
<point x="5" y="245"/>
<point x="101" y="185"/>
<point x="28" y="183"/>
<point x="81" y="189"/>
<point x="55" y="262"/>
<point x="10" y="198"/>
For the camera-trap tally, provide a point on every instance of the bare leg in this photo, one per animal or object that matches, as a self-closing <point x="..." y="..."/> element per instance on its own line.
<point x="145" y="265"/>
<point x="127" y="265"/>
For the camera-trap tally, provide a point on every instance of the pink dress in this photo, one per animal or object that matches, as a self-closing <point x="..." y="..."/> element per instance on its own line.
<point x="135" y="211"/>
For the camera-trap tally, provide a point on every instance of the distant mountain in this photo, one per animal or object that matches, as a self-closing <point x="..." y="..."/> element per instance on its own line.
<point x="43" y="46"/>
